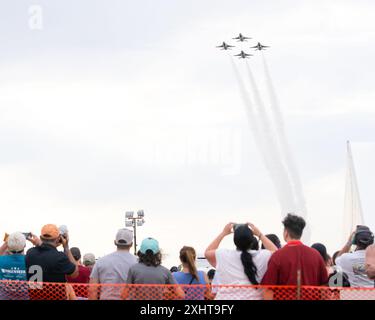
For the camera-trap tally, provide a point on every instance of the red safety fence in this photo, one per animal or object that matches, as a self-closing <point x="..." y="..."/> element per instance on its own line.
<point x="23" y="290"/>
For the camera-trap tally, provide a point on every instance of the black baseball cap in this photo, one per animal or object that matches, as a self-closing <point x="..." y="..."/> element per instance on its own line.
<point x="364" y="236"/>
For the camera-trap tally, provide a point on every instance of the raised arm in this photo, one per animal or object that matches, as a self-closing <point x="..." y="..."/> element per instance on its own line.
<point x="65" y="243"/>
<point x="268" y="244"/>
<point x="211" y="249"/>
<point x="347" y="246"/>
<point x="34" y="240"/>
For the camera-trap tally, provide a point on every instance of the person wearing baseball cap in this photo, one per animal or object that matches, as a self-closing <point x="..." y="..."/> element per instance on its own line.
<point x="150" y="244"/>
<point x="55" y="265"/>
<point x="50" y="232"/>
<point x="113" y="268"/>
<point x="89" y="260"/>
<point x="15" y="259"/>
<point x="149" y="270"/>
<point x="13" y="267"/>
<point x="354" y="263"/>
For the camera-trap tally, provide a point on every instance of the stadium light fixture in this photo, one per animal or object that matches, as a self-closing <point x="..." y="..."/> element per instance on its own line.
<point x="133" y="221"/>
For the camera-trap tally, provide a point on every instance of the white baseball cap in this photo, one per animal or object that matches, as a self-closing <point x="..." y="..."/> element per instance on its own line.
<point x="16" y="242"/>
<point x="124" y="237"/>
<point x="88" y="259"/>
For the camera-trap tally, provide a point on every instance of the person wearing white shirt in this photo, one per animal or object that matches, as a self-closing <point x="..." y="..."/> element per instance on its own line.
<point x="370" y="262"/>
<point x="240" y="266"/>
<point x="354" y="263"/>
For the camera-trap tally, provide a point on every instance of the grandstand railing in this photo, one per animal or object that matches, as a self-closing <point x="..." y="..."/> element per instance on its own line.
<point x="23" y="290"/>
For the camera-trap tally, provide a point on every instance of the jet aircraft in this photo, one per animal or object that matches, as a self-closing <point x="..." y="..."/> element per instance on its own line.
<point x="243" y="55"/>
<point x="241" y="38"/>
<point x="259" y="47"/>
<point x="225" y="46"/>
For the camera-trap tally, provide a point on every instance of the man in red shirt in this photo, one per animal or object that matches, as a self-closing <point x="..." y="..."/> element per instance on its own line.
<point x="295" y="263"/>
<point x="84" y="272"/>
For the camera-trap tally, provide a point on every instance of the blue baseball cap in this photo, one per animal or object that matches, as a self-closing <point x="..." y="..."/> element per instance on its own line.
<point x="149" y="244"/>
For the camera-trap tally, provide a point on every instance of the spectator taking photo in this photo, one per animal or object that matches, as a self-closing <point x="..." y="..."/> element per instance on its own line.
<point x="52" y="265"/>
<point x="240" y="266"/>
<point x="354" y="263"/>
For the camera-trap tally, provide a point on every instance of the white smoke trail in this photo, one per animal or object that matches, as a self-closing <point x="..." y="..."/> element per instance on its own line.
<point x="280" y="130"/>
<point x="279" y="125"/>
<point x="272" y="146"/>
<point x="282" y="195"/>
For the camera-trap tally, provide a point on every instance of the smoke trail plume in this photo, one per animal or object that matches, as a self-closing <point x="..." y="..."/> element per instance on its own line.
<point x="283" y="194"/>
<point x="279" y="125"/>
<point x="289" y="161"/>
<point x="272" y="146"/>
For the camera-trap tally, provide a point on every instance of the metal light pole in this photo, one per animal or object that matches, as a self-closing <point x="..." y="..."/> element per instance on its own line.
<point x="132" y="221"/>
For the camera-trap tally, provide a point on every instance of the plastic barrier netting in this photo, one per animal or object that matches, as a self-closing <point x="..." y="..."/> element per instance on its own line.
<point x="23" y="290"/>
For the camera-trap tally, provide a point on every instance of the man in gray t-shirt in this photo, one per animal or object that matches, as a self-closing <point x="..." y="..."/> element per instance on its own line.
<point x="113" y="268"/>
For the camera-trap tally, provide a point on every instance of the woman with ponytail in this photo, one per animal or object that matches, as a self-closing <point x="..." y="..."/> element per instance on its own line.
<point x="242" y="266"/>
<point x="190" y="275"/>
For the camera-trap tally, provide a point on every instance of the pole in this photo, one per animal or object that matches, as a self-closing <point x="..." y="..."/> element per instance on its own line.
<point x="135" y="236"/>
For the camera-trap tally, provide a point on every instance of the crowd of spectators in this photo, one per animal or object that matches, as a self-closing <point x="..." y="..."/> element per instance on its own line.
<point x="256" y="259"/>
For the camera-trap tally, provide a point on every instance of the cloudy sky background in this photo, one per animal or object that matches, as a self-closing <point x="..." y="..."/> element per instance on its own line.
<point x="118" y="105"/>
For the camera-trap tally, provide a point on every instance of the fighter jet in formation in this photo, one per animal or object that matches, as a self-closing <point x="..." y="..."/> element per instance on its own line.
<point x="225" y="46"/>
<point x="243" y="55"/>
<point x="241" y="38"/>
<point x="259" y="47"/>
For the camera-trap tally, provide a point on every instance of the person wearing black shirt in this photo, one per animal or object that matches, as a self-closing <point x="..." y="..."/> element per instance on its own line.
<point x="44" y="263"/>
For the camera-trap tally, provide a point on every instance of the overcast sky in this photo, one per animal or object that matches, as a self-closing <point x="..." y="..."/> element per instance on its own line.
<point x="109" y="106"/>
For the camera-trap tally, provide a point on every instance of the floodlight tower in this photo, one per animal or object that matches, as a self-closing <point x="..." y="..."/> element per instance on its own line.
<point x="134" y="221"/>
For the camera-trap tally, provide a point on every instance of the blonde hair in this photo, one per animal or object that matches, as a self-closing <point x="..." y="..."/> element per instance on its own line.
<point x="187" y="256"/>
